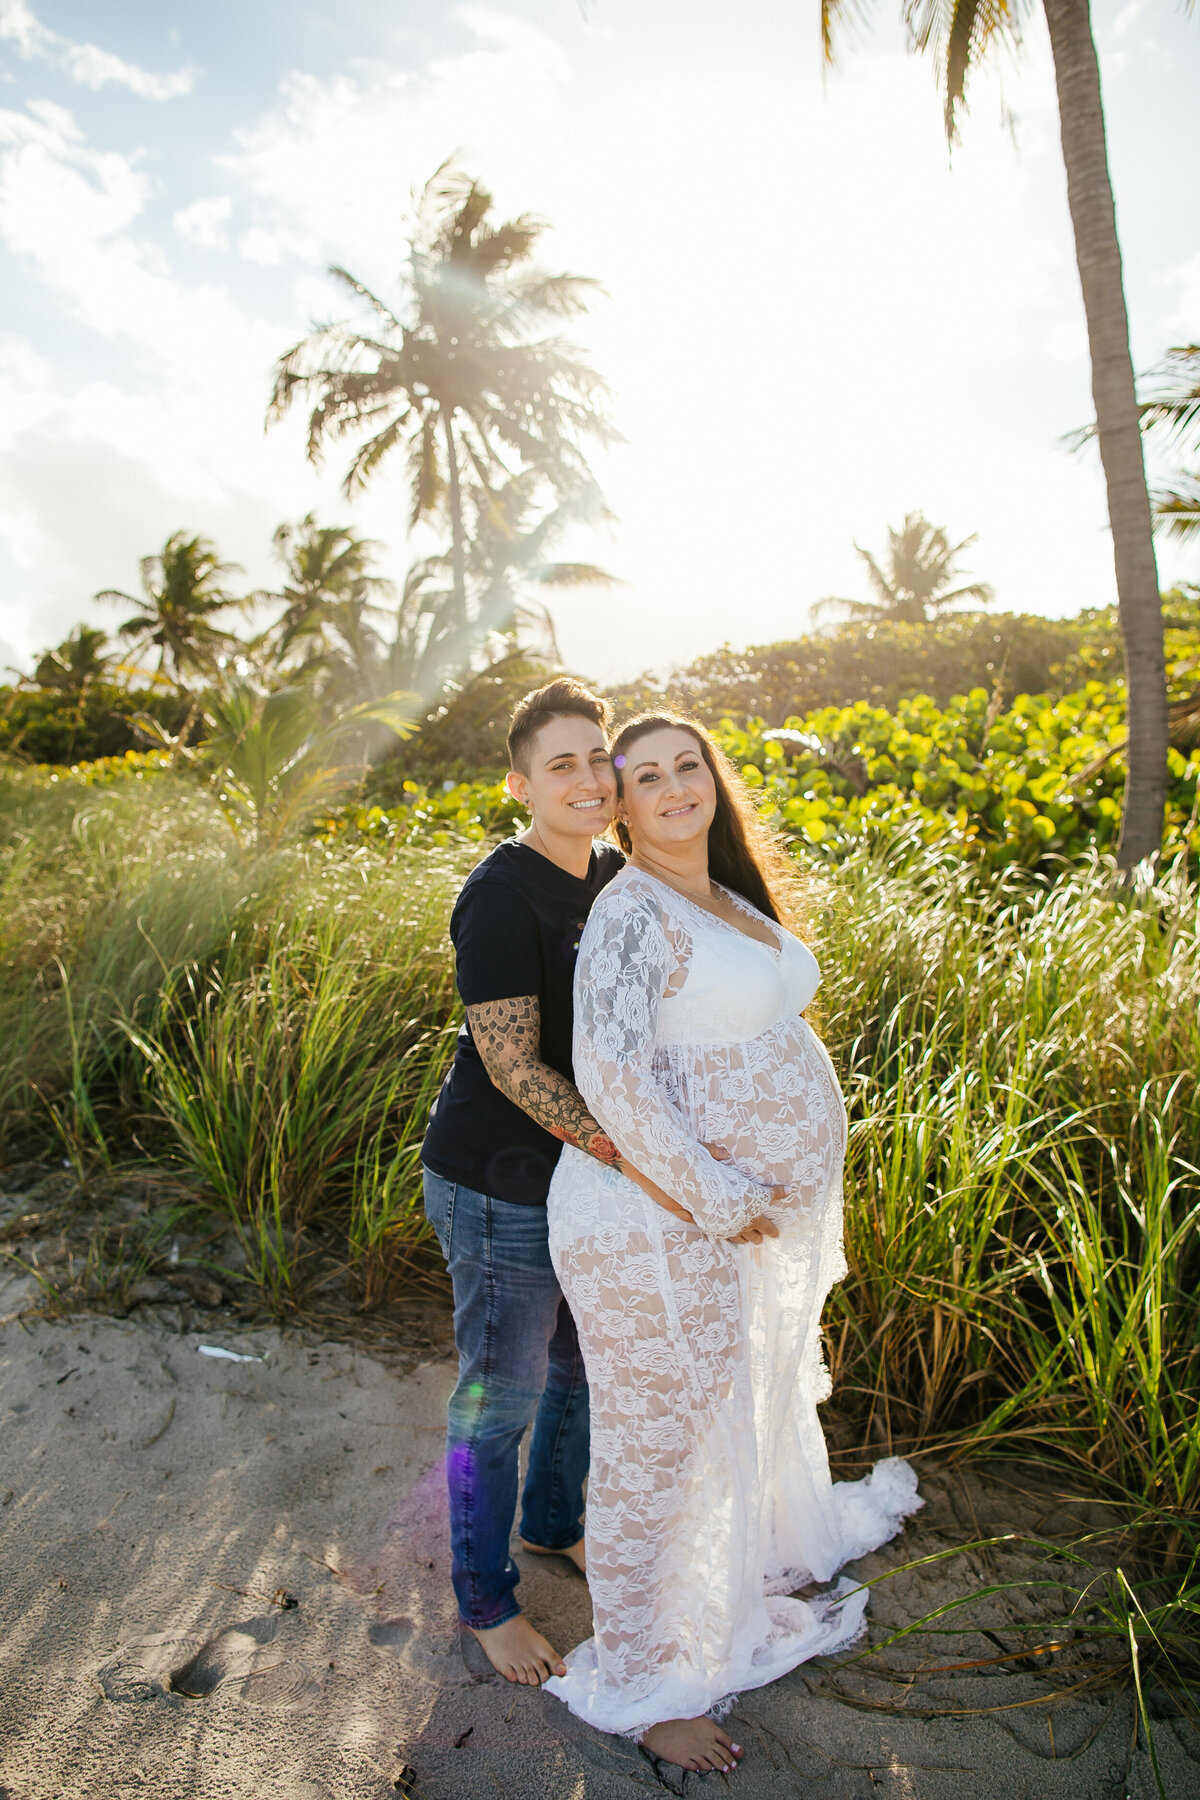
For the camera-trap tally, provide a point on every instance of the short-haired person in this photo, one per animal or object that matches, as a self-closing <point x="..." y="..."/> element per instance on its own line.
<point x="505" y="1110"/>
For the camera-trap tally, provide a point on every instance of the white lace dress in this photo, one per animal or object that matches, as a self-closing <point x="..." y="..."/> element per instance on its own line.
<point x="709" y="1498"/>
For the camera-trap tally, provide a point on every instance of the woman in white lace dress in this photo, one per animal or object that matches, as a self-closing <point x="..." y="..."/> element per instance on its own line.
<point x="710" y="1499"/>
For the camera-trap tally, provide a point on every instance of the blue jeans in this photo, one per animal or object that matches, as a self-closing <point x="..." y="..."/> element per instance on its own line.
<point x="518" y="1360"/>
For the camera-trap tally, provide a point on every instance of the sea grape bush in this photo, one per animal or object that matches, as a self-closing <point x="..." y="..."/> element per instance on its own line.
<point x="430" y="812"/>
<point x="1041" y="779"/>
<point x="1044" y="777"/>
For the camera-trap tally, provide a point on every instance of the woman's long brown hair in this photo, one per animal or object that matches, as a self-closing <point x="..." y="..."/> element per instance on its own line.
<point x="743" y="853"/>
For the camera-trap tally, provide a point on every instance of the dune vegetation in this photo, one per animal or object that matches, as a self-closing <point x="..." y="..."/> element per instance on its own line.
<point x="1019" y="1048"/>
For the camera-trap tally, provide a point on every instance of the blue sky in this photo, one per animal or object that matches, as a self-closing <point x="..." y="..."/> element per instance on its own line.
<point x="815" y="320"/>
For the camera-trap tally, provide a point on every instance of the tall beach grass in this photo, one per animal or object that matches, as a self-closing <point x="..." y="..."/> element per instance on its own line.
<point x="273" y="1029"/>
<point x="1020" y="1057"/>
<point x="1023" y="1199"/>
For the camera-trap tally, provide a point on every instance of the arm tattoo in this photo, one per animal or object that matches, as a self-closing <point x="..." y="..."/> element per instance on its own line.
<point x="507" y="1035"/>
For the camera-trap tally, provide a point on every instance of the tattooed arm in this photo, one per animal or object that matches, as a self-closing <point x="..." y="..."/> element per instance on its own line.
<point x="507" y="1035"/>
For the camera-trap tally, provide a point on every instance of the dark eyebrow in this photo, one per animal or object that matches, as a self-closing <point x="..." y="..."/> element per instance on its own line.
<point x="651" y="763"/>
<point x="561" y="754"/>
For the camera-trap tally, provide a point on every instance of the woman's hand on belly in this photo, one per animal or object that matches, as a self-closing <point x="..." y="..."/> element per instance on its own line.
<point x="655" y="1193"/>
<point x="758" y="1229"/>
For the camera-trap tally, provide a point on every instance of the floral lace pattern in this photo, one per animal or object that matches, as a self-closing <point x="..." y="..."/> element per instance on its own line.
<point x="710" y="1496"/>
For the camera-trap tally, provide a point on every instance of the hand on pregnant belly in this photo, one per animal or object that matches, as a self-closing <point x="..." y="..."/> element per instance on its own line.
<point x="758" y="1229"/>
<point x="751" y="1234"/>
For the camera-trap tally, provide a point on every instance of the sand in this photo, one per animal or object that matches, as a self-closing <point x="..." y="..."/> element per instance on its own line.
<point x="230" y="1579"/>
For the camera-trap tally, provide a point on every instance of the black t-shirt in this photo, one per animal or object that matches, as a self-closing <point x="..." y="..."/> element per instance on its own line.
<point x="515" y="928"/>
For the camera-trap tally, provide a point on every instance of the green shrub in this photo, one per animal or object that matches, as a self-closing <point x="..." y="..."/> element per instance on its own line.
<point x="882" y="664"/>
<point x="1042" y="780"/>
<point x="46" y="725"/>
<point x="1032" y="784"/>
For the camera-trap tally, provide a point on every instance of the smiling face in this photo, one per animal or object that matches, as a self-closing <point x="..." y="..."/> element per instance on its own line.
<point x="569" y="788"/>
<point x="668" y="795"/>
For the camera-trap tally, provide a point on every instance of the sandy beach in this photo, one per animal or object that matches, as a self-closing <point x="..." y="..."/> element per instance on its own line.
<point x="227" y="1579"/>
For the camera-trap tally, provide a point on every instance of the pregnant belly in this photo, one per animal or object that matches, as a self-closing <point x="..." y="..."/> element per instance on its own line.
<point x="774" y="1105"/>
<point x="782" y="1158"/>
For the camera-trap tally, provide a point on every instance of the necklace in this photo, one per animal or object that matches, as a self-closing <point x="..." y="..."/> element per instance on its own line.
<point x="702" y="898"/>
<point x="716" y="904"/>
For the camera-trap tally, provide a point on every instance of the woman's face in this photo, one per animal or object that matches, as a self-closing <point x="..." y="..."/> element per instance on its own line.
<point x="668" y="795"/>
<point x="570" y="786"/>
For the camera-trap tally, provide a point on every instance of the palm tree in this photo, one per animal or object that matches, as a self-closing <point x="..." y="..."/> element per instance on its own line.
<point x="512" y="552"/>
<point x="509" y="563"/>
<point x="959" y="34"/>
<point x="916" y="584"/>
<point x="75" y="664"/>
<point x="182" y="593"/>
<point x="325" y="567"/>
<point x="270" y="758"/>
<point x="467" y="373"/>
<point x="328" y="634"/>
<point x="427" y="649"/>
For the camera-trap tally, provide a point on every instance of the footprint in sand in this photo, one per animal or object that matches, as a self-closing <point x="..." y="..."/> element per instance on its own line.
<point x="142" y="1671"/>
<point x="231" y="1653"/>
<point x="193" y="1668"/>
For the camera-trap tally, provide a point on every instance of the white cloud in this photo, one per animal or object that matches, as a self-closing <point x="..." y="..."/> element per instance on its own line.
<point x="1127" y="17"/>
<point x="69" y="212"/>
<point x="87" y="64"/>
<point x="1184" y="320"/>
<point x="167" y="433"/>
<point x="269" y="248"/>
<point x="203" y="223"/>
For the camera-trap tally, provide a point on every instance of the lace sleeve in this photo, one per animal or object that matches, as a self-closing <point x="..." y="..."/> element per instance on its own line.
<point x="624" y="966"/>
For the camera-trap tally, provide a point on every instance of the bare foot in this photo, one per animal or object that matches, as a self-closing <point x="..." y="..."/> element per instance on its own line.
<point x="519" y="1653"/>
<point x="692" y="1744"/>
<point x="575" y="1554"/>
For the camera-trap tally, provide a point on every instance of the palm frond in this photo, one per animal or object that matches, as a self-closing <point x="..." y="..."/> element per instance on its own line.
<point x="1174" y="411"/>
<point x="575" y="574"/>
<point x="958" y="34"/>
<point x="425" y="471"/>
<point x="878" y="580"/>
<point x="841" y="603"/>
<point x="836" y="16"/>
<point x="399" y="711"/>
<point x="980" y="591"/>
<point x="1177" y="510"/>
<point x="369" y="455"/>
<point x="364" y="293"/>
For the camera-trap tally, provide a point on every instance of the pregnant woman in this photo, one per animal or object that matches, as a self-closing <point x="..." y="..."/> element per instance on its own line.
<point x="710" y="1499"/>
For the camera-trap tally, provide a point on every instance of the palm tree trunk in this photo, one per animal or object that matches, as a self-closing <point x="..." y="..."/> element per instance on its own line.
<point x="1098" y="253"/>
<point x="457" y="552"/>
